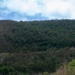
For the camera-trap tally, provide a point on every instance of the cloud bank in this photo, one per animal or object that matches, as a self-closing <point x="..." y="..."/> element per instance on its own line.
<point x="37" y="9"/>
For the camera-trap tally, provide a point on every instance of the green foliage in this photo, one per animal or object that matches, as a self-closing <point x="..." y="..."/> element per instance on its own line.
<point x="72" y="64"/>
<point x="36" y="35"/>
<point x="71" y="67"/>
<point x="36" y="46"/>
<point x="46" y="73"/>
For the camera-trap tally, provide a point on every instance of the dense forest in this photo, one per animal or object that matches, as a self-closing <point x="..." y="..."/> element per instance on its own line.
<point x="35" y="47"/>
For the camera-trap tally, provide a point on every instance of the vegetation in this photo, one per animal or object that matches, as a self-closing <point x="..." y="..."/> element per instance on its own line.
<point x="36" y="47"/>
<point x="68" y="69"/>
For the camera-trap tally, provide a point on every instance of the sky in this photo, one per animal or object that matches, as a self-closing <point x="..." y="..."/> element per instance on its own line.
<point x="29" y="10"/>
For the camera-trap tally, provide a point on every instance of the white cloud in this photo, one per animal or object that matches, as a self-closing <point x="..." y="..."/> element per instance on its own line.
<point x="28" y="7"/>
<point x="43" y="7"/>
<point x="60" y="6"/>
<point x="19" y="19"/>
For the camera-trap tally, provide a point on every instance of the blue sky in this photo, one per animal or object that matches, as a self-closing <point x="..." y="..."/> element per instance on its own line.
<point x="28" y="10"/>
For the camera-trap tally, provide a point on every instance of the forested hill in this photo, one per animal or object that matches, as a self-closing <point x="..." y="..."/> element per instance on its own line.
<point x="36" y="35"/>
<point x="37" y="47"/>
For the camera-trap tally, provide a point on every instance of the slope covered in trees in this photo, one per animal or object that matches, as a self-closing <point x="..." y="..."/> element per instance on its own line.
<point x="36" y="35"/>
<point x="33" y="47"/>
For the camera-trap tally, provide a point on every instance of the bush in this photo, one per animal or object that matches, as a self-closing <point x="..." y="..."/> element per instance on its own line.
<point x="71" y="67"/>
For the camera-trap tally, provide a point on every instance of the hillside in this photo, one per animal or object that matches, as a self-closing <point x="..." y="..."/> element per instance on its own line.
<point x="33" y="47"/>
<point x="36" y="35"/>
